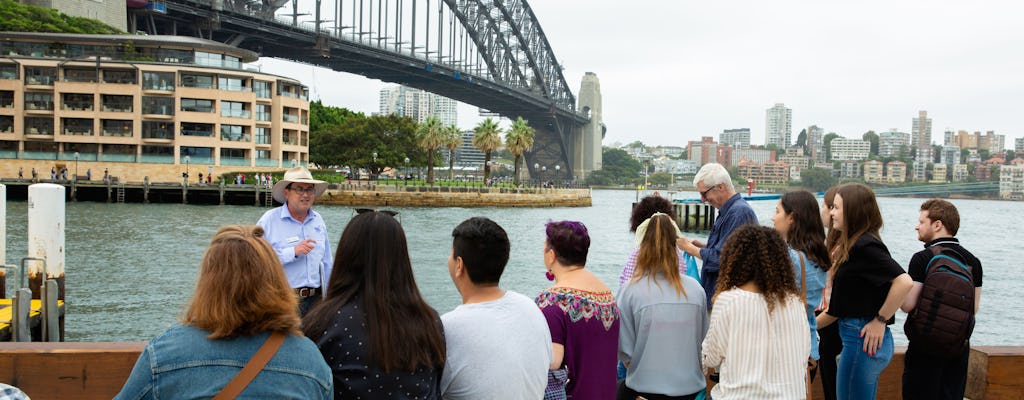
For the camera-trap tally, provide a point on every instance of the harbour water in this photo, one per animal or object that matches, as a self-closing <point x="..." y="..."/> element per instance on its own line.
<point x="131" y="267"/>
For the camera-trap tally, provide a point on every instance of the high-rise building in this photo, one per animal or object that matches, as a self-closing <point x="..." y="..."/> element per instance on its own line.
<point x="467" y="154"/>
<point x="1018" y="145"/>
<point x="705" y="151"/>
<point x="816" y="144"/>
<point x="738" y="138"/>
<point x="844" y="149"/>
<point x="950" y="154"/>
<point x="778" y="126"/>
<point x="921" y="136"/>
<point x="893" y="143"/>
<point x="418" y="104"/>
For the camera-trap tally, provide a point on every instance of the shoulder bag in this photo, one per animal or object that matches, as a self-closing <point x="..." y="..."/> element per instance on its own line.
<point x="252" y="368"/>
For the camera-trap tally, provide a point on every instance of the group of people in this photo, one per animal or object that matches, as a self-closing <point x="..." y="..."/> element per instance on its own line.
<point x="356" y="326"/>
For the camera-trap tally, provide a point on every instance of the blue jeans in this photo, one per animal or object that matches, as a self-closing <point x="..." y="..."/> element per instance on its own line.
<point x="857" y="374"/>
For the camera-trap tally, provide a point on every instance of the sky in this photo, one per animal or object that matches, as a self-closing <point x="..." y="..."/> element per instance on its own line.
<point x="673" y="71"/>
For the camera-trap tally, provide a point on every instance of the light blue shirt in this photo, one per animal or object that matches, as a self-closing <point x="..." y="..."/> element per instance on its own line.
<point x="815" y="284"/>
<point x="284" y="232"/>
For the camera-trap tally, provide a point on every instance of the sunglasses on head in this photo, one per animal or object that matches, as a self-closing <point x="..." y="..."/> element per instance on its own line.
<point x="365" y="210"/>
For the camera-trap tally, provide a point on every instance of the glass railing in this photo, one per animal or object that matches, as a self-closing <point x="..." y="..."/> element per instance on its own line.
<point x="76" y="106"/>
<point x="117" y="157"/>
<point x="236" y="88"/>
<point x="117" y="132"/>
<point x="158" y="135"/>
<point x="266" y="162"/>
<point x="7" y="103"/>
<point x="262" y="139"/>
<point x="236" y="113"/>
<point x="8" y="154"/>
<point x="39" y="80"/>
<point x="81" y="156"/>
<point x="156" y="159"/>
<point x="37" y="131"/>
<point x="78" y="132"/>
<point x="117" y="107"/>
<point x="234" y="161"/>
<point x="196" y="160"/>
<point x="164" y="86"/>
<point x="236" y="137"/>
<point x="290" y="118"/>
<point x="39" y="105"/>
<point x="260" y="116"/>
<point x="204" y="109"/>
<point x="38" y="155"/>
<point x="188" y="132"/>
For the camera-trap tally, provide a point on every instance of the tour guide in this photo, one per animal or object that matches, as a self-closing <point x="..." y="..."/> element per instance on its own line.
<point x="299" y="236"/>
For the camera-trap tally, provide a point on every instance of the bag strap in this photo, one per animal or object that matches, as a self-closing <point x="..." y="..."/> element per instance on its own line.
<point x="803" y="278"/>
<point x="252" y="368"/>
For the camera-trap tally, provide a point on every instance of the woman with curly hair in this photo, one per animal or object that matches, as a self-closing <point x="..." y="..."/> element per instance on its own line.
<point x="242" y="300"/>
<point x="581" y="314"/>
<point x="662" y="320"/>
<point x="758" y="339"/>
<point x="867" y="288"/>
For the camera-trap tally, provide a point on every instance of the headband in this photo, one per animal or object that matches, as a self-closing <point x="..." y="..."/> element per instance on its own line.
<point x="642" y="229"/>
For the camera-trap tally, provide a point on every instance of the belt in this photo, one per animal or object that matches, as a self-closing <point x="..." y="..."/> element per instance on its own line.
<point x="305" y="292"/>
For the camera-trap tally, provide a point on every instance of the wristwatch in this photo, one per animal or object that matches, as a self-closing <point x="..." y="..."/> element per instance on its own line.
<point x="881" y="319"/>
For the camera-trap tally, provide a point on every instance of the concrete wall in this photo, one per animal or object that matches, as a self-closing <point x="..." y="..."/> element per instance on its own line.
<point x="110" y="12"/>
<point x="457" y="197"/>
<point x="127" y="172"/>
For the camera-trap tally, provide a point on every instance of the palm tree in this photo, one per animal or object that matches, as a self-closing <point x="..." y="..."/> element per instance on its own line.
<point x="430" y="136"/>
<point x="487" y="138"/>
<point x="519" y="140"/>
<point x="452" y="141"/>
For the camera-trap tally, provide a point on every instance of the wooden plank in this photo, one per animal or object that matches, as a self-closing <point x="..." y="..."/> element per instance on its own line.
<point x="68" y="370"/>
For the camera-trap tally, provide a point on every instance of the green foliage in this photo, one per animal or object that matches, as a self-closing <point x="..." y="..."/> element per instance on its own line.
<point x="872" y="138"/>
<point x="617" y="168"/>
<point x="323" y="117"/>
<point x="801" y="139"/>
<point x="487" y="138"/>
<point x="518" y="141"/>
<point x="430" y="136"/>
<point x="452" y="141"/>
<point x="817" y="179"/>
<point x="353" y="143"/>
<point x="827" y="141"/>
<point x="17" y="17"/>
<point x="660" y="179"/>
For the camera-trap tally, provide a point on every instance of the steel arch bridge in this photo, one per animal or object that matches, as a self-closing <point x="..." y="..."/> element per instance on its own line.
<point x="489" y="53"/>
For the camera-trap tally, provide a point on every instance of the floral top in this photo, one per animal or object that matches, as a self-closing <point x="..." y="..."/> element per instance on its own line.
<point x="587" y="324"/>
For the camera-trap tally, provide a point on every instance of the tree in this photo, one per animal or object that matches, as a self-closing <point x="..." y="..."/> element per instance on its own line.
<point x="826" y="141"/>
<point x="487" y="138"/>
<point x="354" y="142"/>
<point x="801" y="139"/>
<point x="519" y="140"/>
<point x="617" y="167"/>
<point x="452" y="141"/>
<point x="1010" y="155"/>
<point x="871" y="137"/>
<point x="430" y="137"/>
<point x="817" y="179"/>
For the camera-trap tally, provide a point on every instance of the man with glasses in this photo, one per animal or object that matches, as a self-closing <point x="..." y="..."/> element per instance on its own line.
<point x="715" y="187"/>
<point x="299" y="235"/>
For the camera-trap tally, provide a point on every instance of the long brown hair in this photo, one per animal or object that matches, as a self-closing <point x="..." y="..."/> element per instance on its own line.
<point x="833" y="235"/>
<point x="861" y="216"/>
<point x="758" y="254"/>
<point x="372" y="266"/>
<point x="657" y="253"/>
<point x="806" y="233"/>
<point x="241" y="290"/>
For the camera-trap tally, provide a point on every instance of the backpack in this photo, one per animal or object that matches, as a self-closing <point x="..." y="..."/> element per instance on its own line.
<point x="943" y="320"/>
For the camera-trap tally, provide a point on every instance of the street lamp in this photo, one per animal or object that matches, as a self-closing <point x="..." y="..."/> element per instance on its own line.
<point x="407" y="171"/>
<point x="187" y="160"/>
<point x="372" y="174"/>
<point x="536" y="167"/>
<point x="76" y="166"/>
<point x="557" y="169"/>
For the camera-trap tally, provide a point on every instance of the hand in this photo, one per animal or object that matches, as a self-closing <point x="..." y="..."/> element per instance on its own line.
<point x="873" y="333"/>
<point x="304" y="247"/>
<point x="687" y="247"/>
<point x="698" y="244"/>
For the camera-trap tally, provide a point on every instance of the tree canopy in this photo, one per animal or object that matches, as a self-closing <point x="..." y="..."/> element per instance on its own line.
<point x="487" y="138"/>
<point x="518" y="141"/>
<point x="354" y="143"/>
<point x="617" y="168"/>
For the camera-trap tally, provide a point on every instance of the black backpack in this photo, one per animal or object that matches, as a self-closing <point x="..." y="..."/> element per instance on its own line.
<point x="943" y="320"/>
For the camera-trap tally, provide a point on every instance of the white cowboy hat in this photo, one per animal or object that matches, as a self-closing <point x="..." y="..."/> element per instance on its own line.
<point x="298" y="175"/>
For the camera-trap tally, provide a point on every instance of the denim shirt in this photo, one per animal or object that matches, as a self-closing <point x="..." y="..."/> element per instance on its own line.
<point x="815" y="284"/>
<point x="182" y="363"/>
<point x="733" y="214"/>
<point x="284" y="232"/>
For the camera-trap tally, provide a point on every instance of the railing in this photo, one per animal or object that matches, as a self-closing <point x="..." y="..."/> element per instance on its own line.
<point x="122" y="133"/>
<point x="236" y="88"/>
<point x="158" y="135"/>
<point x="75" y="106"/>
<point x="38" y="155"/>
<point x="236" y="137"/>
<point x="189" y="132"/>
<point x="39" y="105"/>
<point x="36" y="131"/>
<point x="117" y="157"/>
<point x="235" y="161"/>
<point x="236" y="113"/>
<point x="78" y="132"/>
<point x="8" y="154"/>
<point x="39" y="80"/>
<point x="196" y="160"/>
<point x="203" y="109"/>
<point x="117" y="108"/>
<point x="267" y="162"/>
<point x="290" y="118"/>
<point x="81" y="156"/>
<point x="156" y="159"/>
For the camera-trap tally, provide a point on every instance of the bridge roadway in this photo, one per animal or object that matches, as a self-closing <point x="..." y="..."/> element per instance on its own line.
<point x="531" y="86"/>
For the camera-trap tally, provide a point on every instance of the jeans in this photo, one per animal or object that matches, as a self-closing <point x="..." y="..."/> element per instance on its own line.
<point x="857" y="375"/>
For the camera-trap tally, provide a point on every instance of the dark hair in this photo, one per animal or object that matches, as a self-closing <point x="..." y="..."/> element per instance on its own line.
<point x="832" y="237"/>
<point x="647" y="207"/>
<point x="484" y="247"/>
<point x="372" y="267"/>
<point x="806" y="233"/>
<point x="758" y="254"/>
<point x="657" y="254"/>
<point x="570" y="241"/>
<point x="945" y="212"/>
<point x="860" y="216"/>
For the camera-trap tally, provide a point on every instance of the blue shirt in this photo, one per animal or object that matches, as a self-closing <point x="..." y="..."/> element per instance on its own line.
<point x="284" y="232"/>
<point x="815" y="284"/>
<point x="733" y="214"/>
<point x="181" y="363"/>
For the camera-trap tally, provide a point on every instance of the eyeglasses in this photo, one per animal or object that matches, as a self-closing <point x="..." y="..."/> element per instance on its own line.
<point x="302" y="190"/>
<point x="704" y="194"/>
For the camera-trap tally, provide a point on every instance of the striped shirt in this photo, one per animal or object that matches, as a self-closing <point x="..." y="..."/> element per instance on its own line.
<point x="758" y="355"/>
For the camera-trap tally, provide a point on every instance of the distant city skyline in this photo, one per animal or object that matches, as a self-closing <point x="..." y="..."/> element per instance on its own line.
<point x="694" y="69"/>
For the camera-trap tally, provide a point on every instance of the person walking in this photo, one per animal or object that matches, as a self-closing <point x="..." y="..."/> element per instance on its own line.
<point x="299" y="235"/>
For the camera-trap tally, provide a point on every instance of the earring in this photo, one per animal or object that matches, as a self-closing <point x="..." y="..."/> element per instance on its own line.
<point x="549" y="275"/>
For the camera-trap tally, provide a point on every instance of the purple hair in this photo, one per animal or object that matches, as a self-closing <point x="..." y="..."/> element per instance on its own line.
<point x="570" y="241"/>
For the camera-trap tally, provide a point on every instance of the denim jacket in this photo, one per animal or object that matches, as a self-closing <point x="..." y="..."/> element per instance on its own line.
<point x="181" y="363"/>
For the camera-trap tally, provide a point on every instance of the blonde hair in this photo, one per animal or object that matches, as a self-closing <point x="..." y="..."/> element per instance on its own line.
<point x="657" y="253"/>
<point x="242" y="289"/>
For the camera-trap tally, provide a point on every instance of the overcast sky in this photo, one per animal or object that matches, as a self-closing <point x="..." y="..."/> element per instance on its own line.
<point x="672" y="71"/>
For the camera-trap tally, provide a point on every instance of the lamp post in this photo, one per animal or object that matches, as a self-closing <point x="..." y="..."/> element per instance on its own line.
<point x="406" y="171"/>
<point x="187" y="160"/>
<point x="557" y="169"/>
<point x="372" y="174"/>
<point x="76" y="166"/>
<point x="536" y="167"/>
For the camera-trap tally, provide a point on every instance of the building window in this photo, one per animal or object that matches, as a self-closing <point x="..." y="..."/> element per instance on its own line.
<point x="197" y="105"/>
<point x="234" y="109"/>
<point x="118" y="103"/>
<point x="234" y="133"/>
<point x="38" y="126"/>
<point x="290" y="115"/>
<point x="10" y="71"/>
<point x="158" y="81"/>
<point x="80" y="75"/>
<point x="232" y="62"/>
<point x="197" y="81"/>
<point x="155" y="105"/>
<point x="233" y="153"/>
<point x="208" y="59"/>
<point x="263" y="154"/>
<point x="232" y="84"/>
<point x="6" y="124"/>
<point x="263" y="112"/>
<point x="39" y="101"/>
<point x="116" y="127"/>
<point x="77" y="126"/>
<point x="77" y="101"/>
<point x="157" y="130"/>
<point x="40" y="76"/>
<point x="6" y="98"/>
<point x="120" y="76"/>
<point x="262" y="89"/>
<point x="196" y="129"/>
<point x="262" y="135"/>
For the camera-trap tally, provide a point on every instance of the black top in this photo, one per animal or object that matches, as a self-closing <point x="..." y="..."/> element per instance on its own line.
<point x="863" y="281"/>
<point x="919" y="262"/>
<point x="345" y="347"/>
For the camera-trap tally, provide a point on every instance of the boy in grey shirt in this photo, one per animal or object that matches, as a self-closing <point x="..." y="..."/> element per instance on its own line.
<point x="499" y="346"/>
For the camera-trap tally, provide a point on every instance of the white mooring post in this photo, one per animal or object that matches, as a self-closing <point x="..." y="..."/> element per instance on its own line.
<point x="3" y="225"/>
<point x="46" y="233"/>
